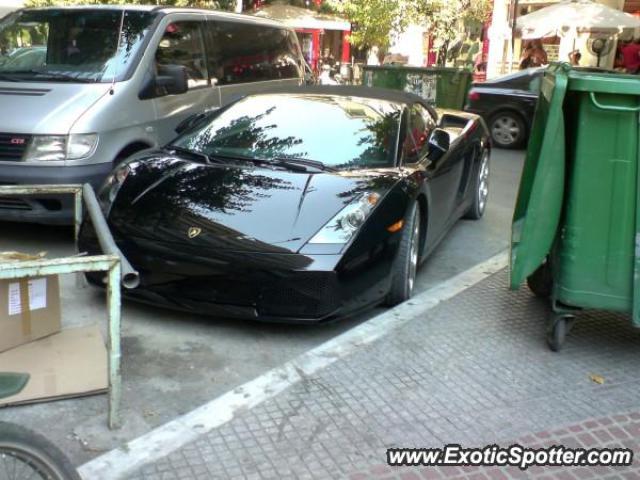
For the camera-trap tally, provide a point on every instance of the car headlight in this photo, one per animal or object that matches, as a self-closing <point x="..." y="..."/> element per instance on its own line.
<point x="109" y="190"/>
<point x="342" y="227"/>
<point x="61" y="147"/>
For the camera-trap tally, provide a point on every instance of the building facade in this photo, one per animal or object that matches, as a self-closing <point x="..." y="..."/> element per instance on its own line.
<point x="504" y="51"/>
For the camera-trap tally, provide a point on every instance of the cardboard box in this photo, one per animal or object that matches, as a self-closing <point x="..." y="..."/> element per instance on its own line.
<point x="20" y="325"/>
<point x="68" y="364"/>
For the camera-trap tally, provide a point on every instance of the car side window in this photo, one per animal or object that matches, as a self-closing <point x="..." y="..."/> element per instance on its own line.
<point x="183" y="44"/>
<point x="420" y="126"/>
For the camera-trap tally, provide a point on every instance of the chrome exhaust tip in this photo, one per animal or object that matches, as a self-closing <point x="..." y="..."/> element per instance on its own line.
<point x="131" y="280"/>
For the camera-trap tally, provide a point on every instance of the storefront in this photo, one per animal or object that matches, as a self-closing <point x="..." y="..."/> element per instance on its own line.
<point x="504" y="52"/>
<point x="323" y="37"/>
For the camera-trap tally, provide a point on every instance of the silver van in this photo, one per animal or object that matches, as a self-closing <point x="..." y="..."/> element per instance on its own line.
<point x="82" y="88"/>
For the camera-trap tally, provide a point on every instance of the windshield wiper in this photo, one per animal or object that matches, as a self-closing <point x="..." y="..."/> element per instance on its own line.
<point x="7" y="78"/>
<point x="289" y="163"/>
<point x="301" y="163"/>
<point x="191" y="153"/>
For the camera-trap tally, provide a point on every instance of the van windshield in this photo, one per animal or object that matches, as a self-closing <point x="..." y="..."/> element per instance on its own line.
<point x="71" y="45"/>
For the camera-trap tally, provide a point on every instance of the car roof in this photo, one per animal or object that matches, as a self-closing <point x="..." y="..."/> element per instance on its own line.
<point x="166" y="10"/>
<point x="384" y="94"/>
<point x="516" y="75"/>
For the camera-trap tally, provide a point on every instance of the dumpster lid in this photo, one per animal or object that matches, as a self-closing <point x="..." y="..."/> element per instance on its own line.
<point x="539" y="204"/>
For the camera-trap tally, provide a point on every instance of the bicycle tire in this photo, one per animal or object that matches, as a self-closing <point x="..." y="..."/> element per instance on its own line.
<point x="19" y="444"/>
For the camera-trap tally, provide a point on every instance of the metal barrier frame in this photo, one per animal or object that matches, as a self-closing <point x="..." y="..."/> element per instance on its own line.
<point x="95" y="263"/>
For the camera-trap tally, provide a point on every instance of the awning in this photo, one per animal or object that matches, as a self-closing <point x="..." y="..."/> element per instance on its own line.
<point x="570" y="16"/>
<point x="302" y="18"/>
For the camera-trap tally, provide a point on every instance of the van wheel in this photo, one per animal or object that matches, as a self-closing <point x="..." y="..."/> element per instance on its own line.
<point x="128" y="151"/>
<point x="406" y="263"/>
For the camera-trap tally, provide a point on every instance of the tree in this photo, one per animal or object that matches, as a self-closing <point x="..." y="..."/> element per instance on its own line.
<point x="376" y="20"/>
<point x="445" y="19"/>
<point x="373" y="20"/>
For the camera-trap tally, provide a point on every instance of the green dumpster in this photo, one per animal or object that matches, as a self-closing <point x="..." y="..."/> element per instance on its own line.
<point x="576" y="225"/>
<point x="440" y="86"/>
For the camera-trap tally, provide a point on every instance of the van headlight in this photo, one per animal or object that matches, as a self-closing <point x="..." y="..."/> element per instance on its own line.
<point x="61" y="147"/>
<point x="81" y="145"/>
<point x="342" y="227"/>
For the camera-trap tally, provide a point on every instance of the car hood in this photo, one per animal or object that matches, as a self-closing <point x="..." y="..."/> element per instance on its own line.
<point x="237" y="208"/>
<point x="46" y="108"/>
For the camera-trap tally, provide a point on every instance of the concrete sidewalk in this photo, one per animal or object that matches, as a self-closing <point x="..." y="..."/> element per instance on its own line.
<point x="474" y="370"/>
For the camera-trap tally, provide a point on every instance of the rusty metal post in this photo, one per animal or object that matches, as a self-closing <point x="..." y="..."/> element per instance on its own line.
<point x="79" y="265"/>
<point x="115" y="382"/>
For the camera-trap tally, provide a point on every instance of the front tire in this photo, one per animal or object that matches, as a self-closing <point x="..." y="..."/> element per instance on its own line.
<point x="481" y="189"/>
<point x="32" y="456"/>
<point x="406" y="263"/>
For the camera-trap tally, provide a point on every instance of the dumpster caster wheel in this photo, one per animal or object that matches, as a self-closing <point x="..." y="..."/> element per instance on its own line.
<point x="559" y="327"/>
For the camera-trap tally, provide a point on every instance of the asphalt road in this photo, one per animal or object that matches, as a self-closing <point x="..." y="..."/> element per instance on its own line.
<point x="173" y="362"/>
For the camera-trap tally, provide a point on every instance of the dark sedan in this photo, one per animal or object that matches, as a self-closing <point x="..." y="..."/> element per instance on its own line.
<point x="295" y="205"/>
<point x="507" y="104"/>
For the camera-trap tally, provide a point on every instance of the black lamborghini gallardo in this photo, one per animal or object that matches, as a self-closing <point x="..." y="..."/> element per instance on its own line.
<point x="296" y="205"/>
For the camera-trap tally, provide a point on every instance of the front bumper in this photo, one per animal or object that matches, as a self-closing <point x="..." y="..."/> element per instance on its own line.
<point x="47" y="209"/>
<point x="273" y="287"/>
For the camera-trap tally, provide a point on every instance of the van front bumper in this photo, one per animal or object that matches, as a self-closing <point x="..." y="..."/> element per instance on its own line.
<point x="45" y="209"/>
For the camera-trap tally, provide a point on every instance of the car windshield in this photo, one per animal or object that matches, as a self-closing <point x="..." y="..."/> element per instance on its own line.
<point x="338" y="131"/>
<point x="70" y="45"/>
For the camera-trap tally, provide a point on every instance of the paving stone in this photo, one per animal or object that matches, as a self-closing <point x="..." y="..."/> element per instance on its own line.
<point x="475" y="370"/>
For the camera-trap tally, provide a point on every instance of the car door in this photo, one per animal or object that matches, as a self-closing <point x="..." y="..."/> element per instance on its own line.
<point x="183" y="44"/>
<point x="414" y="155"/>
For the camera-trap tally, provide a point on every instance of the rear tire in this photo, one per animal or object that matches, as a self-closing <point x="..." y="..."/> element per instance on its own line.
<point x="480" y="189"/>
<point x="32" y="454"/>
<point x="406" y="263"/>
<point x="507" y="130"/>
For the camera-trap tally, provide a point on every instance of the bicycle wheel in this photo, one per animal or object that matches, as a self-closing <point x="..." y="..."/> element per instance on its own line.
<point x="28" y="455"/>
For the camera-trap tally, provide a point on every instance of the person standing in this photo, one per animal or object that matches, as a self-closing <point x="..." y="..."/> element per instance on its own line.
<point x="631" y="56"/>
<point x="574" y="58"/>
<point x="525" y="59"/>
<point x="533" y="55"/>
<point x="538" y="54"/>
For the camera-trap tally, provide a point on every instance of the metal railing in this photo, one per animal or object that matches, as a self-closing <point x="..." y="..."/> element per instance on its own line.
<point x="112" y="262"/>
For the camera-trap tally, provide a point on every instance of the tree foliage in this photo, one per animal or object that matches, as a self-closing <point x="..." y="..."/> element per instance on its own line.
<point x="446" y="18"/>
<point x="375" y="20"/>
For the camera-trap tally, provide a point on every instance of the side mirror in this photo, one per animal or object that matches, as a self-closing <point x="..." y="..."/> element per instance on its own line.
<point x="172" y="78"/>
<point x="439" y="144"/>
<point x="168" y="80"/>
<point x="189" y="122"/>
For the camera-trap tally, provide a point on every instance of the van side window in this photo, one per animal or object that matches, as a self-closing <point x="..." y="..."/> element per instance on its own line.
<point x="182" y="44"/>
<point x="241" y="53"/>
